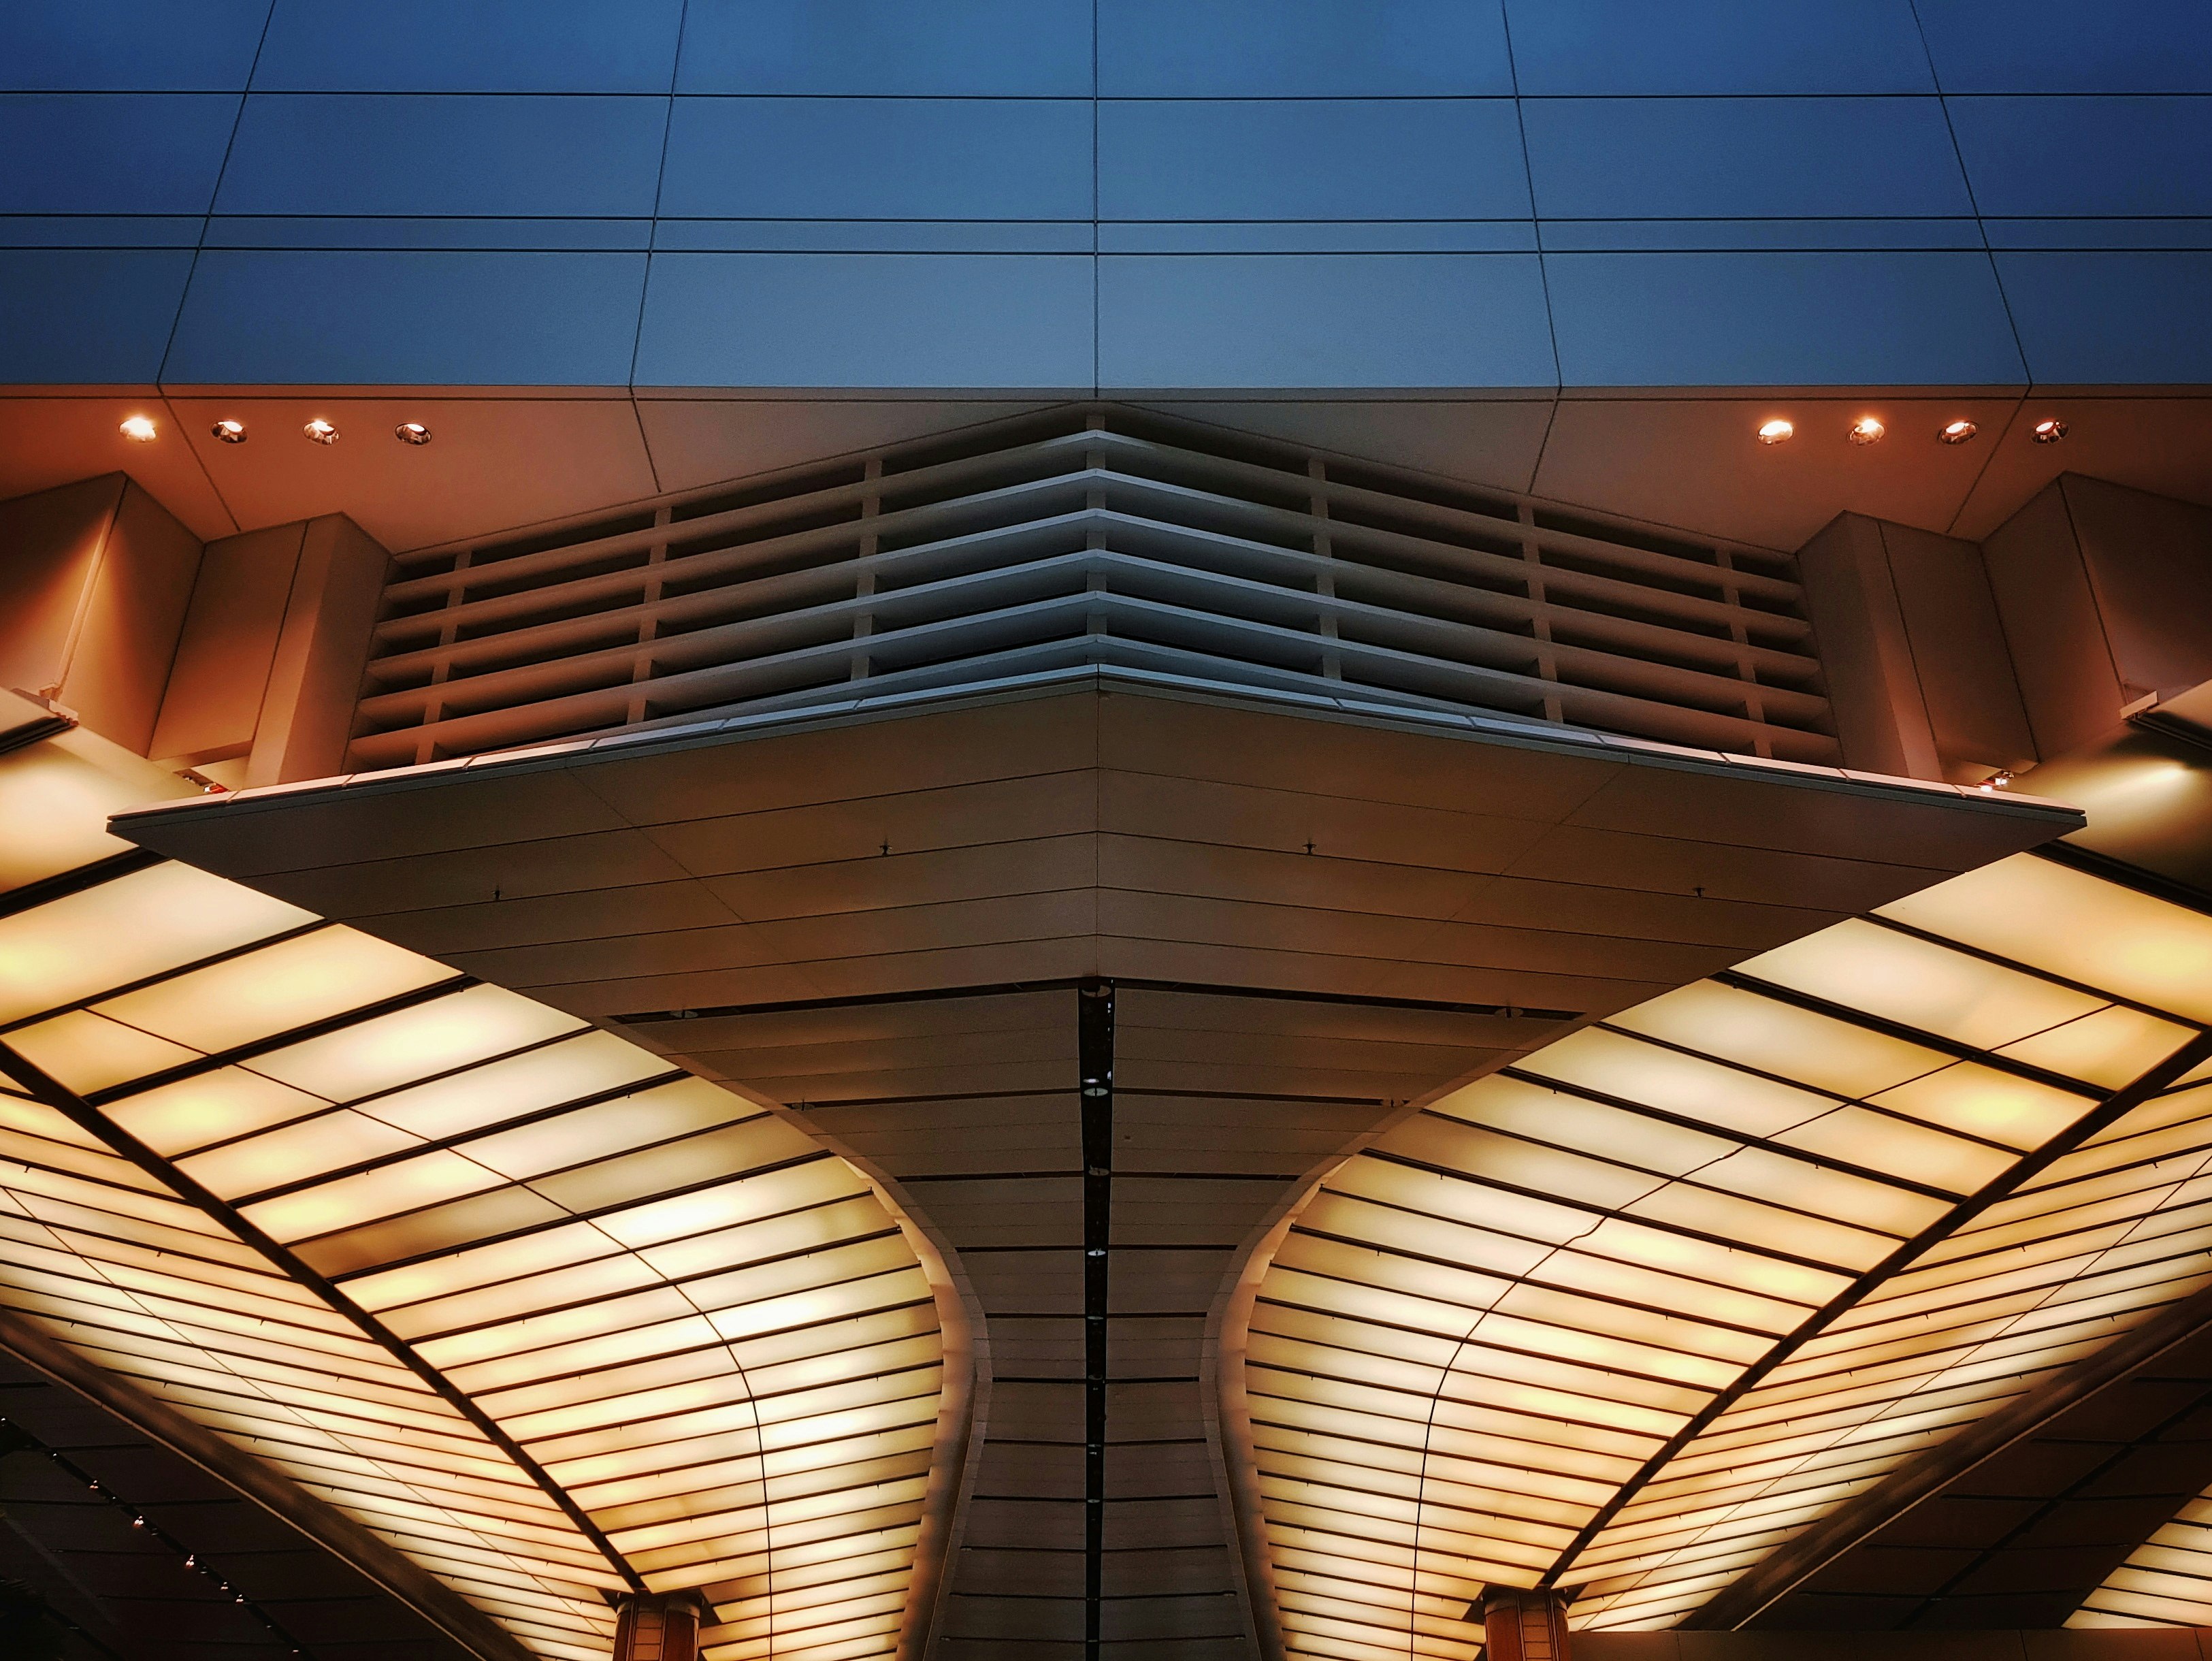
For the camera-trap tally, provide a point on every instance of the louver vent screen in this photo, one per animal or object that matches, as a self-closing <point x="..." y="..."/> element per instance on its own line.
<point x="1094" y="536"/>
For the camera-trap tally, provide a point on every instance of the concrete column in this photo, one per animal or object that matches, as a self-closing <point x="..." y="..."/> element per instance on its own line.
<point x="94" y="578"/>
<point x="1524" y="1626"/>
<point x="657" y="1626"/>
<point x="1918" y="674"/>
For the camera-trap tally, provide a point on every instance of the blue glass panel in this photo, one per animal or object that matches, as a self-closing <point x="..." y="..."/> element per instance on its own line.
<point x="1780" y="319"/>
<point x="1337" y="320"/>
<point x="1007" y="48"/>
<point x="478" y="46"/>
<point x="126" y="45"/>
<point x="1660" y="158"/>
<point x="2030" y="157"/>
<point x="122" y="153"/>
<point x="1302" y="49"/>
<point x="2112" y="318"/>
<point x="774" y="320"/>
<point x="2063" y="46"/>
<point x="1598" y="46"/>
<point x="86" y="316"/>
<point x="1312" y="159"/>
<point x="879" y="158"/>
<point x="417" y="319"/>
<point x="444" y="155"/>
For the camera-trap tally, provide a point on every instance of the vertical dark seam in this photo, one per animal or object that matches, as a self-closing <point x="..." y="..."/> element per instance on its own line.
<point x="1094" y="1043"/>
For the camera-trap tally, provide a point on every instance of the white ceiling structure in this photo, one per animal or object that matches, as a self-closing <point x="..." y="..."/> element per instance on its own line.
<point x="1630" y="1314"/>
<point x="552" y="1318"/>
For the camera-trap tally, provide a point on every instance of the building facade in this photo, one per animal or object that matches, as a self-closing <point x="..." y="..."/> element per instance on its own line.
<point x="1106" y="830"/>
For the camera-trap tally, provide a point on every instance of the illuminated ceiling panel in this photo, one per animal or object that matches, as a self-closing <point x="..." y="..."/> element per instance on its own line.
<point x="2166" y="1582"/>
<point x="549" y="1316"/>
<point x="1630" y="1314"/>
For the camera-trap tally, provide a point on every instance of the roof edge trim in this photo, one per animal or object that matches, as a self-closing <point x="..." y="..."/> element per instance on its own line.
<point x="694" y="733"/>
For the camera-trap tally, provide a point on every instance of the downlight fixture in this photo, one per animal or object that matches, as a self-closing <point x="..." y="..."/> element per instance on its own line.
<point x="321" y="431"/>
<point x="1867" y="430"/>
<point x="2049" y="430"/>
<point x="412" y="432"/>
<point x="1955" y="432"/>
<point x="229" y="432"/>
<point x="139" y="429"/>
<point x="1775" y="431"/>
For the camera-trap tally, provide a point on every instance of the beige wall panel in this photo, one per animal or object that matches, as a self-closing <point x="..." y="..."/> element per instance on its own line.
<point x="127" y="638"/>
<point x="539" y="884"/>
<point x="2149" y="561"/>
<point x="1746" y="812"/>
<point x="1027" y="960"/>
<point x="1486" y="442"/>
<point x="701" y="440"/>
<point x="230" y="639"/>
<point x="1286" y="819"/>
<point x="48" y="440"/>
<point x="603" y="913"/>
<point x="1167" y="737"/>
<point x="50" y="546"/>
<point x="1670" y="865"/>
<point x="1693" y="461"/>
<point x="867" y="758"/>
<point x="991" y="811"/>
<point x="908" y="878"/>
<point x="1143" y="957"/>
<point x="1959" y="657"/>
<point x="1865" y="658"/>
<point x="2067" y="677"/>
<point x="2147" y="442"/>
<point x="493" y="462"/>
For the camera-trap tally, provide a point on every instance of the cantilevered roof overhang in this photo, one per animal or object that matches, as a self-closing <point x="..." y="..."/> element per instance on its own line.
<point x="1311" y="914"/>
<point x="530" y="1305"/>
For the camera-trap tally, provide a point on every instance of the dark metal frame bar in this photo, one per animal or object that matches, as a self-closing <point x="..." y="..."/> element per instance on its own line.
<point x="2106" y="1112"/>
<point x="1094" y="1045"/>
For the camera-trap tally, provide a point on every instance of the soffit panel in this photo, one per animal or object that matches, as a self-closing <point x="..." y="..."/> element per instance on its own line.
<point x="983" y="841"/>
<point x="505" y="460"/>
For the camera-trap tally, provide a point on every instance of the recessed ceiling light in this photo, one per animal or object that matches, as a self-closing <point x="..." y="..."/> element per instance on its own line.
<point x="2049" y="430"/>
<point x="321" y="431"/>
<point x="139" y="429"/>
<point x="1867" y="430"/>
<point x="1773" y="432"/>
<point x="1955" y="432"/>
<point x="230" y="432"/>
<point x="412" y="432"/>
